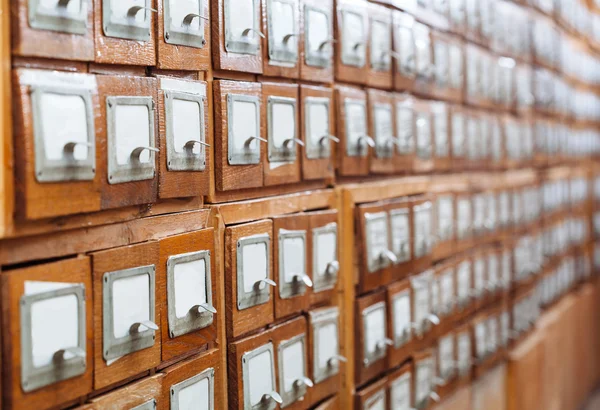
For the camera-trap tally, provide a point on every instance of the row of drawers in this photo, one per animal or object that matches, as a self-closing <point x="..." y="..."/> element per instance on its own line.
<point x="135" y="140"/>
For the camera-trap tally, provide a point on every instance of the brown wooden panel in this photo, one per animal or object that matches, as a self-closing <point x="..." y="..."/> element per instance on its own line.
<point x="240" y="322"/>
<point x="281" y="172"/>
<point x="31" y="42"/>
<point x="174" y="184"/>
<point x="523" y="378"/>
<point x="175" y="245"/>
<point x="75" y="270"/>
<point x="130" y="396"/>
<point x="286" y="306"/>
<point x="367" y="371"/>
<point x="382" y="157"/>
<point x="349" y="165"/>
<point x="317" y="168"/>
<point x="367" y="397"/>
<point x="127" y="193"/>
<point x="178" y="57"/>
<point x="137" y="362"/>
<point x="112" y="50"/>
<point x="35" y="200"/>
<point x="310" y="72"/>
<point x="489" y="392"/>
<point x="233" y="177"/>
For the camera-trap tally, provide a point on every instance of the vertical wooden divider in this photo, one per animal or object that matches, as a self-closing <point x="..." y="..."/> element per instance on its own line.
<point x="6" y="156"/>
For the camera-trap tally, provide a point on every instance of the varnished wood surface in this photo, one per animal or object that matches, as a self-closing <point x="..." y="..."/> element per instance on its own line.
<point x="6" y="127"/>
<point x="366" y="373"/>
<point x="130" y="396"/>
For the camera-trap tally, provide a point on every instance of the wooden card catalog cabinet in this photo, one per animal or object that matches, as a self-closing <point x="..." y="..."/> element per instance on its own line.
<point x="401" y="237"/>
<point x="127" y="339"/>
<point x="240" y="141"/>
<point x="188" y="296"/>
<point x="56" y="155"/>
<point x="352" y="125"/>
<point x="316" y="60"/>
<point x="318" y="132"/>
<point x="373" y="340"/>
<point x="380" y="47"/>
<point x="399" y="322"/>
<point x="194" y="383"/>
<point x="423" y="387"/>
<point x="375" y="247"/>
<point x="145" y="394"/>
<point x="324" y="257"/>
<point x="184" y="161"/>
<point x="248" y="293"/>
<point x="424" y="62"/>
<point x="291" y="347"/>
<point x="403" y="58"/>
<point x="352" y="41"/>
<point x="283" y="38"/>
<point x="292" y="270"/>
<point x="424" y="137"/>
<point x="282" y="164"/>
<point x="324" y="352"/>
<point x="442" y="153"/>
<point x="400" y="388"/>
<point x="252" y="373"/>
<point x="382" y="129"/>
<point x="53" y="29"/>
<point x="444" y="225"/>
<point x="406" y="145"/>
<point x="48" y="333"/>
<point x="422" y="220"/>
<point x="373" y="397"/>
<point x="237" y="36"/>
<point x="129" y="165"/>
<point x="124" y="32"/>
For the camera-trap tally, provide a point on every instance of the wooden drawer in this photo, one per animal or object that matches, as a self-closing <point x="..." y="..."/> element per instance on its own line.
<point x="399" y="322"/>
<point x="464" y="285"/>
<point x="445" y="276"/>
<point x="380" y="48"/>
<point x="400" y="387"/>
<point x="446" y="364"/>
<point x="185" y="136"/>
<point x="42" y="31"/>
<point x="352" y="125"/>
<point x="325" y="361"/>
<point x="458" y="130"/>
<point x="464" y="222"/>
<point x="403" y="62"/>
<point x="141" y="395"/>
<point x="323" y="250"/>
<point x="373" y="397"/>
<point x="199" y="378"/>
<point x="127" y="340"/>
<point x="239" y="136"/>
<point x="248" y="294"/>
<point x="424" y="137"/>
<point x="318" y="132"/>
<point x="57" y="174"/>
<point x="442" y="152"/>
<point x="382" y="129"/>
<point x="48" y="334"/>
<point x="188" y="292"/>
<point x="424" y="60"/>
<point x="234" y="47"/>
<point x="405" y="133"/>
<point x="372" y="338"/>
<point x="184" y="45"/>
<point x="424" y="319"/>
<point x="424" y="374"/>
<point x="401" y="228"/>
<point x="352" y="33"/>
<point x="130" y="135"/>
<point x="284" y="41"/>
<point x="282" y="162"/>
<point x="374" y="247"/>
<point x="316" y="56"/>
<point x="449" y="64"/>
<point x="124" y="32"/>
<point x="444" y="225"/>
<point x="422" y="232"/>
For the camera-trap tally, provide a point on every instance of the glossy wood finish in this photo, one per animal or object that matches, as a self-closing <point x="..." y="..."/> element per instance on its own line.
<point x="367" y="372"/>
<point x="130" y="396"/>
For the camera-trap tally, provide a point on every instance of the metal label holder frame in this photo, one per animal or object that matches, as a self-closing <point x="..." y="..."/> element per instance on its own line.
<point x="318" y="319"/>
<point x="423" y="209"/>
<point x="194" y="320"/>
<point x="402" y="256"/>
<point x="114" y="348"/>
<point x="184" y="36"/>
<point x="238" y="45"/>
<point x="318" y="151"/>
<point x="406" y="144"/>
<point x="382" y="64"/>
<point x="33" y="378"/>
<point x="246" y="357"/>
<point x="358" y="59"/>
<point x="249" y="156"/>
<point x="298" y="392"/>
<point x="47" y="170"/>
<point x="259" y="296"/>
<point x="283" y="153"/>
<point x="379" y="353"/>
<point x="126" y="27"/>
<point x="129" y="172"/>
<point x="321" y="59"/>
<point x="355" y="150"/>
<point x="385" y="150"/>
<point x="149" y="405"/>
<point x="58" y="19"/>
<point x="282" y="54"/>
<point x="206" y="374"/>
<point x="406" y="336"/>
<point x="380" y="395"/>
<point x="327" y="280"/>
<point x="375" y="262"/>
<point x="186" y="160"/>
<point x="296" y="287"/>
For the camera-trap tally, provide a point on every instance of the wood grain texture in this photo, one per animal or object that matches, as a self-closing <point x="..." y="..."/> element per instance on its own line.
<point x="178" y="57"/>
<point x="277" y="172"/>
<point x="344" y="72"/>
<point x="7" y="194"/>
<point x="278" y="69"/>
<point x="319" y="220"/>
<point x="459" y="400"/>
<point x="30" y="42"/>
<point x="347" y="165"/>
<point x="130" y="396"/>
<point x="363" y="395"/>
<point x="296" y="304"/>
<point x="240" y="322"/>
<point x="377" y="77"/>
<point x="190" y="368"/>
<point x="364" y="373"/>
<point x="224" y="60"/>
<point x="177" y="184"/>
<point x="137" y="362"/>
<point x="75" y="270"/>
<point x="173" y="347"/>
<point x="317" y="168"/>
<point x="36" y="200"/>
<point x="381" y="164"/>
<point x="127" y="193"/>
<point x="309" y="72"/>
<point x="114" y="50"/>
<point x="235" y="177"/>
<point x="489" y="392"/>
<point x="330" y="404"/>
<point x="397" y="355"/>
<point x="524" y="374"/>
